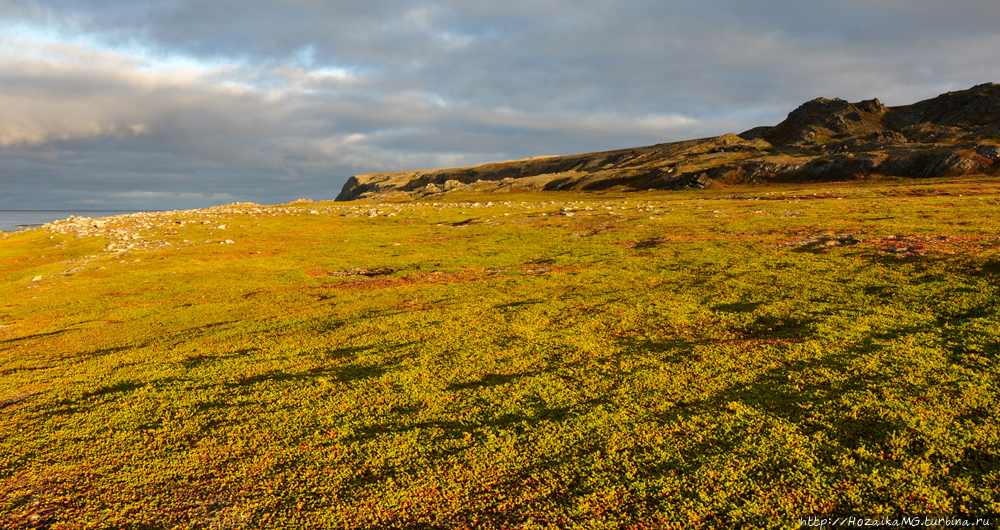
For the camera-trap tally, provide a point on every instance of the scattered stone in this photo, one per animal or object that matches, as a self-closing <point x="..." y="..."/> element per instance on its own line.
<point x="826" y="240"/>
<point x="991" y="152"/>
<point x="648" y="243"/>
<point x="15" y="398"/>
<point x="356" y="271"/>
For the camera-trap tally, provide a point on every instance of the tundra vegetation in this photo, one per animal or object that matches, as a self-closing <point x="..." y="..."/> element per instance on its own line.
<point x="713" y="358"/>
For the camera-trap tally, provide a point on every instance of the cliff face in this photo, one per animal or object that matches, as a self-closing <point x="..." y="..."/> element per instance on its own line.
<point x="824" y="139"/>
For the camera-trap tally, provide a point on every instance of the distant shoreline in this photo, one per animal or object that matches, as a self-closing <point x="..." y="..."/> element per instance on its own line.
<point x="19" y="220"/>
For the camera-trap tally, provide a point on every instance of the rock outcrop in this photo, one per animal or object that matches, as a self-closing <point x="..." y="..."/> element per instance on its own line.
<point x="824" y="139"/>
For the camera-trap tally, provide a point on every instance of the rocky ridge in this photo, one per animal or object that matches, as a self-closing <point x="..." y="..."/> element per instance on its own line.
<point x="823" y="140"/>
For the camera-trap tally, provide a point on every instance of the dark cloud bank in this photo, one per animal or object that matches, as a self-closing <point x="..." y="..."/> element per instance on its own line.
<point x="176" y="104"/>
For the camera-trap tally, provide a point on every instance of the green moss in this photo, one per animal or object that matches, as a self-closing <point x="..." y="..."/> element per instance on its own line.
<point x="679" y="360"/>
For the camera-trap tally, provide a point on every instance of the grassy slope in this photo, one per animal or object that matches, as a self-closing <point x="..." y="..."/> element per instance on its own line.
<point x="673" y="365"/>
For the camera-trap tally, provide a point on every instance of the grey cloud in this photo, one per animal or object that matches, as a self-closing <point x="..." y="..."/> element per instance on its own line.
<point x="272" y="99"/>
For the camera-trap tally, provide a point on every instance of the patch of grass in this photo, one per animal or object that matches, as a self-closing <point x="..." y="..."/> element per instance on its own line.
<point x="675" y="360"/>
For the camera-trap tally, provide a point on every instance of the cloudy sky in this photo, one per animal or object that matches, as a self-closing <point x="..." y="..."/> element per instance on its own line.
<point x="161" y="104"/>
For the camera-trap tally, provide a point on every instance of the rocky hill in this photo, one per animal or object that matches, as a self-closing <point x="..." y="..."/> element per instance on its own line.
<point x="824" y="139"/>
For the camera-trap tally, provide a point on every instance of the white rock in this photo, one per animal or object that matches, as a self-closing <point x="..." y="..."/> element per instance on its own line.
<point x="36" y="279"/>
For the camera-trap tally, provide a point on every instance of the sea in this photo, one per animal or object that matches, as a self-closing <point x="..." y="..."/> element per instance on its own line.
<point x="14" y="220"/>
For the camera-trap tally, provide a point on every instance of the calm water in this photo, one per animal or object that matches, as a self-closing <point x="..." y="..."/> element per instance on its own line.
<point x="11" y="220"/>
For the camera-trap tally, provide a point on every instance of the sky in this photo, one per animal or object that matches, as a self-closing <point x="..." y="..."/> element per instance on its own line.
<point x="171" y="104"/>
